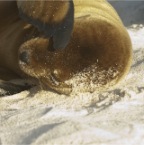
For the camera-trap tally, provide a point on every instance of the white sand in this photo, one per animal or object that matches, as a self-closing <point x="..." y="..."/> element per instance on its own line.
<point x="114" y="117"/>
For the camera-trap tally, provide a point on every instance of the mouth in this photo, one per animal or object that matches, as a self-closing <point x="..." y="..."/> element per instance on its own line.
<point x="50" y="83"/>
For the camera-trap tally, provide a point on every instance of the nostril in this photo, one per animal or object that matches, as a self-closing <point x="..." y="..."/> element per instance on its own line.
<point x="24" y="57"/>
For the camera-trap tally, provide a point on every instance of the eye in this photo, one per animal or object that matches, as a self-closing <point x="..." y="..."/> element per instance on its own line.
<point x="24" y="57"/>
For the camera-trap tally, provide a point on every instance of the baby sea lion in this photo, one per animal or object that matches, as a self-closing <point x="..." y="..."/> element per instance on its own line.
<point x="97" y="56"/>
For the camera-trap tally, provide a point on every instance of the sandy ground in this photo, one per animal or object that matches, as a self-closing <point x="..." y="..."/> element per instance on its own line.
<point x="114" y="117"/>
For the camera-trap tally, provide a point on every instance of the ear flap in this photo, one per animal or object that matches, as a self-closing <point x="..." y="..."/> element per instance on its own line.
<point x="54" y="18"/>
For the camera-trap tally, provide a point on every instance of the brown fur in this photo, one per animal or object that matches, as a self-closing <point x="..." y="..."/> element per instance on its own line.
<point x="99" y="39"/>
<point x="53" y="12"/>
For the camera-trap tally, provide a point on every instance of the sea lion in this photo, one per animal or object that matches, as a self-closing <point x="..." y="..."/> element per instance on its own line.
<point x="99" y="51"/>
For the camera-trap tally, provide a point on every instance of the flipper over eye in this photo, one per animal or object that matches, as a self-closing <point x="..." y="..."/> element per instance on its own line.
<point x="54" y="18"/>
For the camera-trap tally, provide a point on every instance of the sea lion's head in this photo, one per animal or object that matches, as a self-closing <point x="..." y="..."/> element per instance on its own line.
<point x="38" y="59"/>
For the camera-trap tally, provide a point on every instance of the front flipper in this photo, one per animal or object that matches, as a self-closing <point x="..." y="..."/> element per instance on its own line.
<point x="8" y="88"/>
<point x="53" y="18"/>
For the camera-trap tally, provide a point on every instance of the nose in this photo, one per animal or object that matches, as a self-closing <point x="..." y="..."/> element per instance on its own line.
<point x="24" y="57"/>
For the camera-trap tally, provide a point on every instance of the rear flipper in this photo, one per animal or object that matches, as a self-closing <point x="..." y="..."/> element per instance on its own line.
<point x="55" y="18"/>
<point x="8" y="88"/>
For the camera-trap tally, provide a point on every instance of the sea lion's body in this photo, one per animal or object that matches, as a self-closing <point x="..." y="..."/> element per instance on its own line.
<point x="99" y="49"/>
<point x="11" y="37"/>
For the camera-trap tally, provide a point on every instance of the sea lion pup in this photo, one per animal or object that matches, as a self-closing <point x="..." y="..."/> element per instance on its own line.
<point x="23" y="20"/>
<point x="98" y="55"/>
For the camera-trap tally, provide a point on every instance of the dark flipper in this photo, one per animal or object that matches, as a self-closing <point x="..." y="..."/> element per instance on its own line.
<point x="8" y="88"/>
<point x="54" y="18"/>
